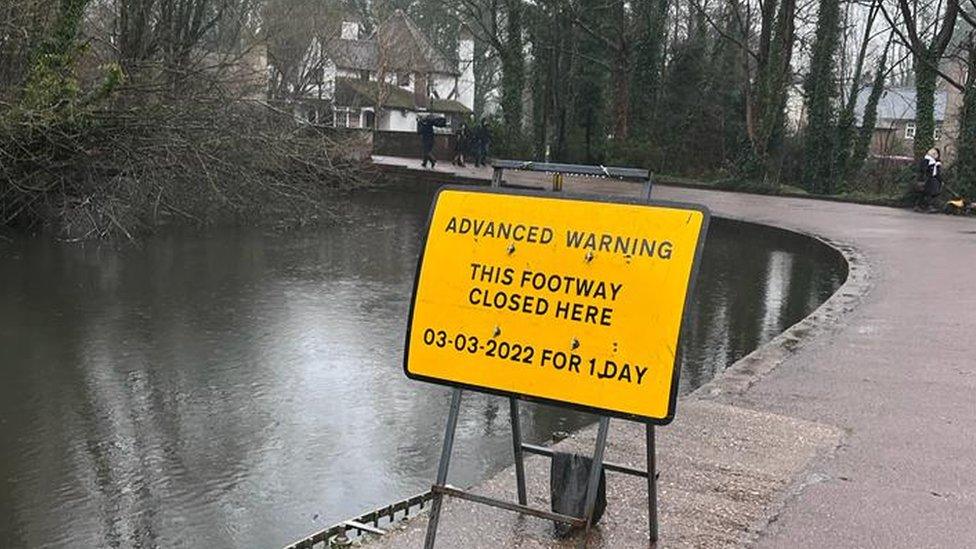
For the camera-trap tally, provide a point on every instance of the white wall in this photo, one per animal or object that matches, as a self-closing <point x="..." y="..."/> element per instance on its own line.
<point x="398" y="121"/>
<point x="328" y="81"/>
<point x="346" y="73"/>
<point x="466" y="66"/>
<point x="444" y="85"/>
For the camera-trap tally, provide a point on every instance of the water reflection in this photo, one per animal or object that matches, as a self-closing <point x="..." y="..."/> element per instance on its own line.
<point x="242" y="389"/>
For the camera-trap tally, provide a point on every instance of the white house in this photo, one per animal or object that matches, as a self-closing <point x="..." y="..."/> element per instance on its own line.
<point x="387" y="80"/>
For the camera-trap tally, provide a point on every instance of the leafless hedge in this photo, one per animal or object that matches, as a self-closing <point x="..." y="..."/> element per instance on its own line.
<point x="121" y="172"/>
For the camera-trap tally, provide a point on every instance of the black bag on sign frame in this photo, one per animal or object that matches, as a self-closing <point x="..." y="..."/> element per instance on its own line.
<point x="568" y="476"/>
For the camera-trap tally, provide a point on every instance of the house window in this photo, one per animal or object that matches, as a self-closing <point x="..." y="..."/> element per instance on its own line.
<point x="937" y="134"/>
<point x="403" y="79"/>
<point x="910" y="130"/>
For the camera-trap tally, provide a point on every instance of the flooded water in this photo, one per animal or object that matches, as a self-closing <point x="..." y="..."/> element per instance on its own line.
<point x="243" y="389"/>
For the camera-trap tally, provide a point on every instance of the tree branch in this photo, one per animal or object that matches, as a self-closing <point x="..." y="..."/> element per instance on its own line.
<point x="917" y="54"/>
<point x="722" y="32"/>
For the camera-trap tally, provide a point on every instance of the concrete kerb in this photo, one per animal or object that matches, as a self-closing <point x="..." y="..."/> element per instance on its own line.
<point x="735" y="380"/>
<point x="747" y="371"/>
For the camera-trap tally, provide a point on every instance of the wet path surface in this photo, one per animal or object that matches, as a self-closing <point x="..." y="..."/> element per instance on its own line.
<point x="239" y="388"/>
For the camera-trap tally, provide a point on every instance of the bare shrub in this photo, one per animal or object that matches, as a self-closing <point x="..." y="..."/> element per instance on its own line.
<point x="124" y="171"/>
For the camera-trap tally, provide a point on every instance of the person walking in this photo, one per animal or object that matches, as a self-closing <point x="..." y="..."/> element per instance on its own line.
<point x="482" y="142"/>
<point x="461" y="145"/>
<point x="930" y="180"/>
<point x="425" y="127"/>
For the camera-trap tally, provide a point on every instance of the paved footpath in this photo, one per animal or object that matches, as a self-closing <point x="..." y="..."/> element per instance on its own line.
<point x="855" y="428"/>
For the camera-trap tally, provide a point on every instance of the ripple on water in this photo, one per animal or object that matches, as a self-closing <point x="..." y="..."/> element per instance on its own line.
<point x="238" y="388"/>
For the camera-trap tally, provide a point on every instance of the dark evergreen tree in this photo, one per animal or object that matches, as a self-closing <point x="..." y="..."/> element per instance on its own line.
<point x="513" y="70"/>
<point x="589" y="117"/>
<point x="683" y="116"/>
<point x="650" y="17"/>
<point x="820" y="89"/>
<point x="965" y="171"/>
<point x="766" y="97"/>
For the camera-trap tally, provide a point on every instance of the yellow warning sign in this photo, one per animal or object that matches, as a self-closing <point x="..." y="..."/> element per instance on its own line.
<point x="571" y="300"/>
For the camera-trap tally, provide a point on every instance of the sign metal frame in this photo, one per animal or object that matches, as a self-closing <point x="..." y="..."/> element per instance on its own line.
<point x="635" y="201"/>
<point x="440" y="488"/>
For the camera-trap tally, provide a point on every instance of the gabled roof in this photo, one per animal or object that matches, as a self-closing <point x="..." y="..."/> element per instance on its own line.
<point x="356" y="93"/>
<point x="398" y="44"/>
<point x="353" y="92"/>
<point x="448" y="106"/>
<point x="353" y="54"/>
<point x="898" y="104"/>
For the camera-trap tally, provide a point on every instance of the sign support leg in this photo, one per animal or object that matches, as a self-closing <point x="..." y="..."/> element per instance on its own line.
<point x="435" y="508"/>
<point x="651" y="485"/>
<point x="594" y="482"/>
<point x="517" y="448"/>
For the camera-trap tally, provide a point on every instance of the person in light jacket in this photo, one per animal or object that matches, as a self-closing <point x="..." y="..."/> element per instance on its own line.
<point x="930" y="180"/>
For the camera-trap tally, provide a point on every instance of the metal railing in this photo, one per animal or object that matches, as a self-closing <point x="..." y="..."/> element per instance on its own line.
<point x="373" y="523"/>
<point x="558" y="171"/>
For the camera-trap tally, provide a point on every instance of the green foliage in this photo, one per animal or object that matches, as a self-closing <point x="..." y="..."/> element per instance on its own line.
<point x="925" y="85"/>
<point x="965" y="168"/>
<point x="683" y="108"/>
<point x="504" y="142"/>
<point x="513" y="71"/>
<point x="844" y="143"/>
<point x="51" y="81"/>
<point x="819" y="171"/>
<point x="770" y="90"/>
<point x="651" y="19"/>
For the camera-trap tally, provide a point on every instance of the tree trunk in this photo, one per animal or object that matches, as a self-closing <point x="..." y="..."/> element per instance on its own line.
<point x="651" y="17"/>
<point x="869" y="121"/>
<point x="770" y="87"/>
<point x="621" y="92"/>
<point x="621" y="73"/>
<point x="925" y="79"/>
<point x="821" y="90"/>
<point x="927" y="57"/>
<point x="846" y="129"/>
<point x="966" y="144"/>
<point x="513" y="71"/>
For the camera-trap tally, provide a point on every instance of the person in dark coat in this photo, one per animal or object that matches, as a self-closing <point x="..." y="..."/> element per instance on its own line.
<point x="462" y="144"/>
<point x="425" y="127"/>
<point x="482" y="142"/>
<point x="930" y="180"/>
